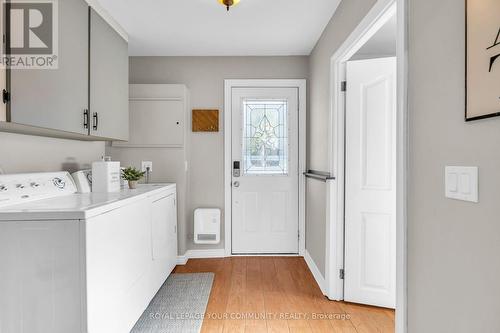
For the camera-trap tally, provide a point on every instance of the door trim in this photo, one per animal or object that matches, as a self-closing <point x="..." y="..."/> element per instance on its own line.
<point x="376" y="17"/>
<point x="285" y="83"/>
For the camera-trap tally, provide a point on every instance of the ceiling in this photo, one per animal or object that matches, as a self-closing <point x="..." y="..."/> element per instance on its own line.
<point x="204" y="28"/>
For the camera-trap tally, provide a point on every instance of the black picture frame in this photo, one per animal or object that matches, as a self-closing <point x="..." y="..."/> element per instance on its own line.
<point x="485" y="116"/>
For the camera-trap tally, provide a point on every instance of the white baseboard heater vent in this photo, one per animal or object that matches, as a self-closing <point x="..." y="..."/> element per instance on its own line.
<point x="207" y="226"/>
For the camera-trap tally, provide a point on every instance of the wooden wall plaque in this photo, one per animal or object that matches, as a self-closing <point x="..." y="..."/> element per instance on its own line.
<point x="205" y="121"/>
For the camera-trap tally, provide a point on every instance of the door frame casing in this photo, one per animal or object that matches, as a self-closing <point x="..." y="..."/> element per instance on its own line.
<point x="301" y="85"/>
<point x="373" y="21"/>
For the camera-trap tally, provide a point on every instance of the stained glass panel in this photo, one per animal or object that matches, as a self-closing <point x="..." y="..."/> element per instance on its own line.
<point x="265" y="137"/>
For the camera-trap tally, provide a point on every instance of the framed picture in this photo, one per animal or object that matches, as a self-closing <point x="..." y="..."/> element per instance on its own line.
<point x="482" y="59"/>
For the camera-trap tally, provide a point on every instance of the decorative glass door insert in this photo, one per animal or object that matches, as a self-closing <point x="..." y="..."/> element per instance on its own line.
<point x="265" y="137"/>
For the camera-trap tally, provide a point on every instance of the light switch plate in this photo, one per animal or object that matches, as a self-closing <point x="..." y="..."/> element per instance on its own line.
<point x="462" y="183"/>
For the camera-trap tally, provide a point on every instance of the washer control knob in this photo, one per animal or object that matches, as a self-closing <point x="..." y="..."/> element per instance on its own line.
<point x="34" y="184"/>
<point x="20" y="186"/>
<point x="3" y="188"/>
<point x="59" y="183"/>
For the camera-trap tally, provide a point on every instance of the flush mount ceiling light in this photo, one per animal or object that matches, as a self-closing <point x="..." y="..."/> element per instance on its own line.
<point x="229" y="3"/>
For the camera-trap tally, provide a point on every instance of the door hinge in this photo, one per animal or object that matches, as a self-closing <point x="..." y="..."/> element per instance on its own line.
<point x="5" y="96"/>
<point x="343" y="86"/>
<point x="341" y="274"/>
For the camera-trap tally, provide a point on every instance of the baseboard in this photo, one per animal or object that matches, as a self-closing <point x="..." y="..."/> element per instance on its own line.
<point x="315" y="272"/>
<point x="200" y="254"/>
<point x="182" y="260"/>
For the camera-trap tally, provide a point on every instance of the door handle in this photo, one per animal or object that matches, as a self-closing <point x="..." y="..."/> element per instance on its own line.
<point x="236" y="184"/>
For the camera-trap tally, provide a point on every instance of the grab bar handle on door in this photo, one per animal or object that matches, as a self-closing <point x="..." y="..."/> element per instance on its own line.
<point x="319" y="175"/>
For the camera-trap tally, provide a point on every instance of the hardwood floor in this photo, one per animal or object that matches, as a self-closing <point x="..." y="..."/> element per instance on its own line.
<point x="278" y="294"/>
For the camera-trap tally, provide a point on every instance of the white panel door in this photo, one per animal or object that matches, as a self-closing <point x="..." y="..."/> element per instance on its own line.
<point x="265" y="154"/>
<point x="370" y="189"/>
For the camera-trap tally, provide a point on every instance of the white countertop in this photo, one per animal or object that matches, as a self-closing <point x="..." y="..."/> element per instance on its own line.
<point x="78" y="206"/>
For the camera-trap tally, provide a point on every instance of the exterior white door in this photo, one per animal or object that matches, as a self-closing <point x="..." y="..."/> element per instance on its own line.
<point x="370" y="189"/>
<point x="265" y="180"/>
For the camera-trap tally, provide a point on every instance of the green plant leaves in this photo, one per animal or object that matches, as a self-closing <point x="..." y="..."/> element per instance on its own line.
<point x="132" y="174"/>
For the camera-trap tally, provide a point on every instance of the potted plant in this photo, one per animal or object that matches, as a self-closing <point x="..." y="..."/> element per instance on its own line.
<point x="132" y="175"/>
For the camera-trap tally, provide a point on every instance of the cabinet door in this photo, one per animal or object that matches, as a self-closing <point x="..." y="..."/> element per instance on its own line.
<point x="158" y="116"/>
<point x="156" y="123"/>
<point x="3" y="79"/>
<point x="108" y="81"/>
<point x="163" y="231"/>
<point x="57" y="98"/>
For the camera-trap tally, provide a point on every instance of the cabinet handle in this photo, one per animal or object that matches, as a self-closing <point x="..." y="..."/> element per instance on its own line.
<point x="86" y="118"/>
<point x="95" y="119"/>
<point x="5" y="96"/>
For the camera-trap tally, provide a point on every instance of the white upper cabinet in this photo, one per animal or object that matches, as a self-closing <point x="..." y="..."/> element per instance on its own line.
<point x="86" y="96"/>
<point x="158" y="116"/>
<point x="57" y="98"/>
<point x="108" y="80"/>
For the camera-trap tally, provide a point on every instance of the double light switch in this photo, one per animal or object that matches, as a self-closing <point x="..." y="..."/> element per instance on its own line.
<point x="462" y="183"/>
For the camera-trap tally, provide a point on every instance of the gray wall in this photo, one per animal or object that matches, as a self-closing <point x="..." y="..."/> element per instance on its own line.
<point x="343" y="22"/>
<point x="25" y="153"/>
<point x="453" y="246"/>
<point x="204" y="76"/>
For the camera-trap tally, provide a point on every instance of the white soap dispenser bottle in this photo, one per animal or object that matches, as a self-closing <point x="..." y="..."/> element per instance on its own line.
<point x="106" y="176"/>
